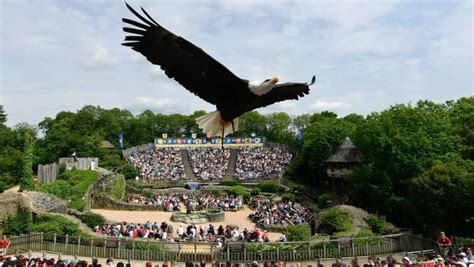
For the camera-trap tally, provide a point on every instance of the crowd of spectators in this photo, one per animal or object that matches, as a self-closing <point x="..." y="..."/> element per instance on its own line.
<point x="159" y="164"/>
<point x="261" y="162"/>
<point x="203" y="201"/>
<point x="191" y="232"/>
<point x="197" y="201"/>
<point x="267" y="212"/>
<point x="209" y="163"/>
<point x="169" y="202"/>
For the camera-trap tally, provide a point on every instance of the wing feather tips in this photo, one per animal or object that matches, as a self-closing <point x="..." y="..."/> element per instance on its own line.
<point x="136" y="24"/>
<point x="138" y="15"/>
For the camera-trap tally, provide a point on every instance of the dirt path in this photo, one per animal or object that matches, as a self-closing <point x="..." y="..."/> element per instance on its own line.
<point x="238" y="218"/>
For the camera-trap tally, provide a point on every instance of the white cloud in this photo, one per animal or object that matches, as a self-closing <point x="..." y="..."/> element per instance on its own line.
<point x="99" y="57"/>
<point x="160" y="105"/>
<point x="326" y="105"/>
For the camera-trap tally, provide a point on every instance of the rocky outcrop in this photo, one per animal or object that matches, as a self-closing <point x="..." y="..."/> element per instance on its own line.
<point x="10" y="202"/>
<point x="46" y="203"/>
<point x="198" y="217"/>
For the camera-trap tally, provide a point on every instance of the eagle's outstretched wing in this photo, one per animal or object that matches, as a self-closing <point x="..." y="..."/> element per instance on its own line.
<point x="284" y="91"/>
<point x="186" y="63"/>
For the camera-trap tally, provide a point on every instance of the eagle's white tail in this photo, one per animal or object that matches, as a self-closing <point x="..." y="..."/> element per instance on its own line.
<point x="213" y="123"/>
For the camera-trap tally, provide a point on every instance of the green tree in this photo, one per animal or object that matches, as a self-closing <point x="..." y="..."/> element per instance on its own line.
<point x="394" y="146"/>
<point x="3" y="116"/>
<point x="443" y="193"/>
<point x="26" y="180"/>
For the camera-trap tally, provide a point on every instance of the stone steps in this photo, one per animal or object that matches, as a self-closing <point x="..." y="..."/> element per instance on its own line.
<point x="188" y="169"/>
<point x="230" y="171"/>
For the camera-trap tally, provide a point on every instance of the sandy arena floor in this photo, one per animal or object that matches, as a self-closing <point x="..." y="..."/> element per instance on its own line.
<point x="238" y="218"/>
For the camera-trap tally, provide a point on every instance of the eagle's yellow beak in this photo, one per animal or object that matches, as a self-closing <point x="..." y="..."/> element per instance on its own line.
<point x="274" y="80"/>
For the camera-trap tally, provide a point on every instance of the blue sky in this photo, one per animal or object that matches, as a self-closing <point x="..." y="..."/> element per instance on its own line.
<point x="367" y="55"/>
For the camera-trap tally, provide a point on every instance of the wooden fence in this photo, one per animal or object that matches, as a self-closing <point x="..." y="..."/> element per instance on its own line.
<point x="138" y="249"/>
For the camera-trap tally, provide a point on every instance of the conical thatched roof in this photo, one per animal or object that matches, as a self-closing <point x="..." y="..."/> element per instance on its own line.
<point x="347" y="152"/>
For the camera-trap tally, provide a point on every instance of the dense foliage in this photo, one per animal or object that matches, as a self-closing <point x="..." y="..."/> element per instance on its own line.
<point x="92" y="219"/>
<point x="71" y="186"/>
<point x="333" y="221"/>
<point x="298" y="232"/>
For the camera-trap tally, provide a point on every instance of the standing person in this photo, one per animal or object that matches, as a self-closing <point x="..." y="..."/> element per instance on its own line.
<point x="444" y="244"/>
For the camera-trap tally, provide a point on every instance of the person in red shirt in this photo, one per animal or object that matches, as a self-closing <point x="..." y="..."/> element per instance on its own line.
<point x="444" y="244"/>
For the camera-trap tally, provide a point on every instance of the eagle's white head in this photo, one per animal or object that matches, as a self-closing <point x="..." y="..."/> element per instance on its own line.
<point x="262" y="87"/>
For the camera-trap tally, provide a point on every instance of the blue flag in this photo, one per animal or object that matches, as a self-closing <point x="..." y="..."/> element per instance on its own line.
<point x="120" y="137"/>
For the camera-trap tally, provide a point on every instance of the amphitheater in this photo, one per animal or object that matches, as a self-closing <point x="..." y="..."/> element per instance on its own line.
<point x="122" y="212"/>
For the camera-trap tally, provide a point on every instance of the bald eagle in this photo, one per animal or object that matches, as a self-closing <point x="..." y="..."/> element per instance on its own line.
<point x="204" y="76"/>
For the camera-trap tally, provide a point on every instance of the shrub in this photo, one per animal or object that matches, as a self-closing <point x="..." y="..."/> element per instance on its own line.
<point x="216" y="192"/>
<point x="229" y="182"/>
<point x="323" y="200"/>
<point x="129" y="171"/>
<point x="298" y="232"/>
<point x="92" y="219"/>
<point x="148" y="194"/>
<point x="288" y="197"/>
<point x="3" y="187"/>
<point x="255" y="191"/>
<point x="59" y="188"/>
<point x="332" y="221"/>
<point x="239" y="190"/>
<point x="54" y="224"/>
<point x="17" y="224"/>
<point x="376" y="223"/>
<point x="77" y="204"/>
<point x="269" y="186"/>
<point x="118" y="187"/>
<point x="371" y="238"/>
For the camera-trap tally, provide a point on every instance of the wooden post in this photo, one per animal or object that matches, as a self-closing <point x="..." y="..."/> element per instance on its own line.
<point x="133" y="249"/>
<point x="245" y="253"/>
<point x="54" y="242"/>
<point x="195" y="251"/>
<point x="105" y="247"/>
<point x="148" y="248"/>
<point x="118" y="247"/>
<point x="324" y="251"/>
<point x="92" y="246"/>
<point x="367" y="246"/>
<point x="228" y="253"/>
<point x="78" y="244"/>
<point x="67" y="243"/>
<point x="278" y="254"/>
<point x="352" y="247"/>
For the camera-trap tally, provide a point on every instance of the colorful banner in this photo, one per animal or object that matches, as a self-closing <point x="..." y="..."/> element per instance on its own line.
<point x="205" y="141"/>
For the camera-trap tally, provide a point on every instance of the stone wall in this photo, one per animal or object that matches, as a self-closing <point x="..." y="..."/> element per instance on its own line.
<point x="46" y="202"/>
<point x="103" y="201"/>
<point x="10" y="202"/>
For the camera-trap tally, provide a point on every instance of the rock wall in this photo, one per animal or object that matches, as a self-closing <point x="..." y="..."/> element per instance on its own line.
<point x="46" y="202"/>
<point x="103" y="201"/>
<point x="198" y="217"/>
<point x="10" y="202"/>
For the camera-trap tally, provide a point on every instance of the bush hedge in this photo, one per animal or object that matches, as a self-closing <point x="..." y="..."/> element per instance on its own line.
<point x="323" y="200"/>
<point x="376" y="223"/>
<point x="92" y="219"/>
<point x="298" y="232"/>
<point x="228" y="182"/>
<point x="332" y="221"/>
<point x="269" y="186"/>
<point x="239" y="190"/>
<point x="288" y="197"/>
<point x="255" y="191"/>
